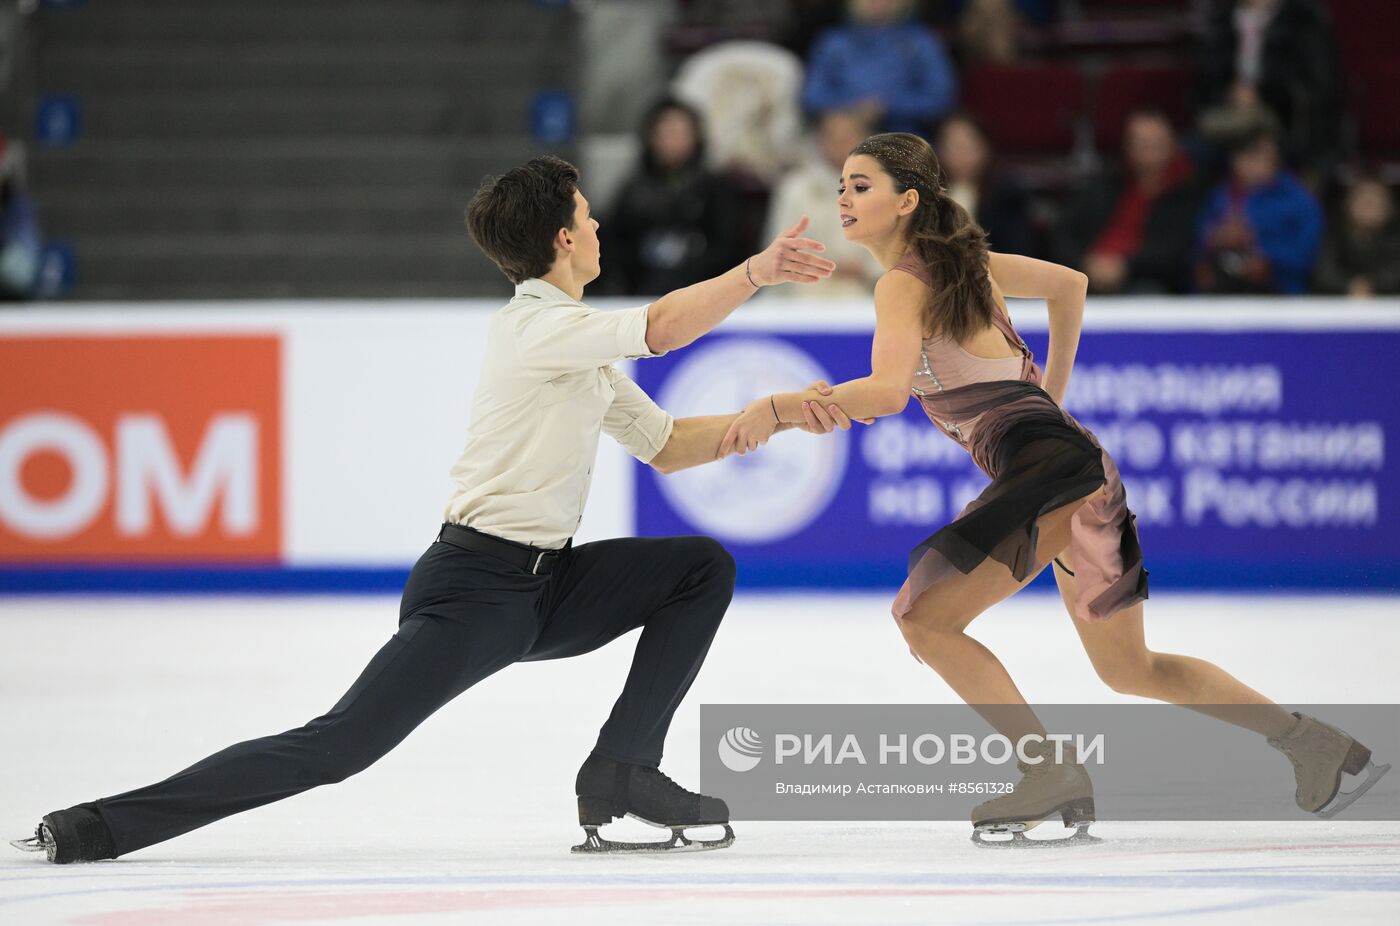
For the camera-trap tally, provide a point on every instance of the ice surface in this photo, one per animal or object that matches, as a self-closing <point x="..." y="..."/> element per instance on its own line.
<point x="473" y="816"/>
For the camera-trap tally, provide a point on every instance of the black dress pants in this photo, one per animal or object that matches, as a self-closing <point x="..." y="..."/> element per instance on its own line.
<point x="465" y="615"/>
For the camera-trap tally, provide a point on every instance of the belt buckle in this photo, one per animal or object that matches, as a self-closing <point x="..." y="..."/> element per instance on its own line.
<point x="539" y="561"/>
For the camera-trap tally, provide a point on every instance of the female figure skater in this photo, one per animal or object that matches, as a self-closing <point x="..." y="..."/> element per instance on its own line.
<point x="942" y="335"/>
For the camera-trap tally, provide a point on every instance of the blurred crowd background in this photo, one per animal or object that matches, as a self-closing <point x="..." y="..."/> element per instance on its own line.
<point x="167" y="149"/>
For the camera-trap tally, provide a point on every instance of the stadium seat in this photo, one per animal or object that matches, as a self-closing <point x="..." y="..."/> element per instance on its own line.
<point x="1366" y="30"/>
<point x="1372" y="101"/>
<point x="1026" y="108"/>
<point x="1122" y="88"/>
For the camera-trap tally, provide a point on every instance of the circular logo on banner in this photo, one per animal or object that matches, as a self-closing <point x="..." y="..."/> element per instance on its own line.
<point x="740" y="749"/>
<point x="779" y="489"/>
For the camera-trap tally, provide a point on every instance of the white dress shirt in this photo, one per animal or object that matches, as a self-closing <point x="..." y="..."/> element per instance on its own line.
<point x="547" y="389"/>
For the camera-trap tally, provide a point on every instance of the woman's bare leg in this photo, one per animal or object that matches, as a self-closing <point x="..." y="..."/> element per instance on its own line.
<point x="1118" y="649"/>
<point x="935" y="625"/>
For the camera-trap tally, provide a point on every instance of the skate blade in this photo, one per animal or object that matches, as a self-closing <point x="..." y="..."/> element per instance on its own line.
<point x="1078" y="814"/>
<point x="32" y="844"/>
<point x="1017" y="838"/>
<point x="594" y="844"/>
<point x="1344" y="799"/>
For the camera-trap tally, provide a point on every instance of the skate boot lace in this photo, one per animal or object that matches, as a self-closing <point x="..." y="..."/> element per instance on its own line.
<point x="671" y="785"/>
<point x="1031" y="772"/>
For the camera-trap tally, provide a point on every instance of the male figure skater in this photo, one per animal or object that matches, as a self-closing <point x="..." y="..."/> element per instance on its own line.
<point x="503" y="583"/>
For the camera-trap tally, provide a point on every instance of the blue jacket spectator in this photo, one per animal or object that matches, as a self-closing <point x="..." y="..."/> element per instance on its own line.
<point x="1261" y="228"/>
<point x="884" y="64"/>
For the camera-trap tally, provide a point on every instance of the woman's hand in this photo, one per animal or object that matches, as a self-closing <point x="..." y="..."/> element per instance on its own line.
<point x="751" y="430"/>
<point x="823" y="420"/>
<point x="787" y="260"/>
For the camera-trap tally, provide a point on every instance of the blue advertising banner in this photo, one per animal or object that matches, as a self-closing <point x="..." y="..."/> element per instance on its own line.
<point x="1252" y="458"/>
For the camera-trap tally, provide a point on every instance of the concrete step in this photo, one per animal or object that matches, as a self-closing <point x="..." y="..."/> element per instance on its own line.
<point x="315" y="113"/>
<point x="99" y="67"/>
<point x="222" y="263"/>
<point x="162" y="167"/>
<point x="203" y="211"/>
<point x="154" y="21"/>
<point x="180" y="293"/>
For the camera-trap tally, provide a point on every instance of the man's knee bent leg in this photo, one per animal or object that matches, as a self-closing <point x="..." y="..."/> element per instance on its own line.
<point x="707" y="561"/>
<point x="712" y="554"/>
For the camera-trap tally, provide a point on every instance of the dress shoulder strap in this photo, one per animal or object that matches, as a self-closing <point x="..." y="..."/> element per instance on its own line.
<point x="911" y="265"/>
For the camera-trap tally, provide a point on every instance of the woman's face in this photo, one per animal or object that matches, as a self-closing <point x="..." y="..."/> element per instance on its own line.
<point x="869" y="205"/>
<point x="673" y="138"/>
<point x="962" y="152"/>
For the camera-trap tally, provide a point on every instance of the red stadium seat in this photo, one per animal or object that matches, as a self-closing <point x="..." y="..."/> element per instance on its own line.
<point x="1026" y="108"/>
<point x="1366" y="30"/>
<point x="1122" y="88"/>
<point x="1373" y="103"/>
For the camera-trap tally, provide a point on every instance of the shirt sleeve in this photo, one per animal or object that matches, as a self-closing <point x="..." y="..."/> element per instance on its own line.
<point x="634" y="420"/>
<point x="564" y="338"/>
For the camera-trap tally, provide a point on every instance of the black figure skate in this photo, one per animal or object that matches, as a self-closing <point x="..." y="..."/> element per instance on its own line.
<point x="608" y="790"/>
<point x="77" y="834"/>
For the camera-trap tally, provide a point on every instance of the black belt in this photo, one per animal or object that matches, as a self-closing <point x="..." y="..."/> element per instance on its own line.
<point x="533" y="560"/>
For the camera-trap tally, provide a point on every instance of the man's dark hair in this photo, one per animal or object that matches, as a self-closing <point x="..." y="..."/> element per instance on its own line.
<point x="1150" y="111"/>
<point x="513" y="218"/>
<point x="1254" y="135"/>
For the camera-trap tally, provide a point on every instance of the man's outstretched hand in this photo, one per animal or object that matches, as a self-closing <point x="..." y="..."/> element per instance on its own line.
<point x="787" y="260"/>
<point x="756" y="424"/>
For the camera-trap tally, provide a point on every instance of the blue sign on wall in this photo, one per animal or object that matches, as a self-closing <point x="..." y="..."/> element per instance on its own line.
<point x="58" y="119"/>
<point x="552" y="117"/>
<point x="1252" y="459"/>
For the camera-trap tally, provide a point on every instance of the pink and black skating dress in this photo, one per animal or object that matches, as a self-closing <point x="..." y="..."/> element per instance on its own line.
<point x="1039" y="459"/>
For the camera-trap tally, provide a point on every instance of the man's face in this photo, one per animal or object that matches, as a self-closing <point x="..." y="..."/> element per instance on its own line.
<point x="877" y="12"/>
<point x="587" y="255"/>
<point x="1148" y="146"/>
<point x="1256" y="165"/>
<point x="1369" y="206"/>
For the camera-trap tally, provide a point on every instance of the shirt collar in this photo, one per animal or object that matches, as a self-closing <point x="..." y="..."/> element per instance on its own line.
<point x="539" y="289"/>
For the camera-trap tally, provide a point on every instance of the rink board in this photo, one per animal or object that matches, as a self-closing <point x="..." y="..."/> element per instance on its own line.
<point x="304" y="447"/>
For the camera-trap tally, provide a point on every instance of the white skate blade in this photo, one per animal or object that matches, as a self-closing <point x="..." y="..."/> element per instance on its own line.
<point x="594" y="844"/>
<point x="1017" y="838"/>
<point x="1344" y="799"/>
<point x="32" y="844"/>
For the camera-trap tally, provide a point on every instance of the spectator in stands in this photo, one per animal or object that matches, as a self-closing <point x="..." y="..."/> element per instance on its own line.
<point x="1362" y="255"/>
<point x="810" y="190"/>
<point x="673" y="222"/>
<point x="988" y="32"/>
<point x="1261" y="228"/>
<point x="996" y="201"/>
<point x="19" y="228"/>
<point x="1279" y="55"/>
<point x="1133" y="230"/>
<point x="884" y="63"/>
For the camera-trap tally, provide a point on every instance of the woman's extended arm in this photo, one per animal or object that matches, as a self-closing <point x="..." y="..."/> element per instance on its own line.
<point x="1063" y="290"/>
<point x="894" y="356"/>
